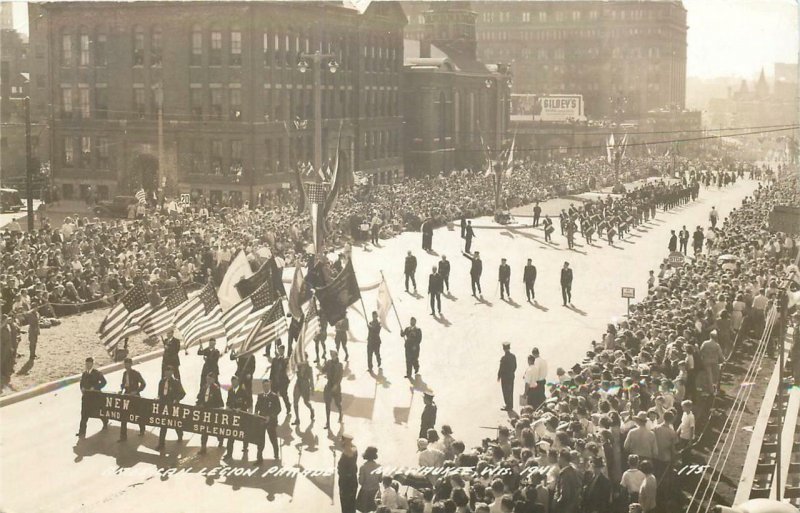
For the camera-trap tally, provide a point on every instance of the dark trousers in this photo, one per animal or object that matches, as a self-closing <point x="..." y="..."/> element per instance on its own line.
<point x="537" y="394"/>
<point x="123" y="428"/>
<point x="341" y="341"/>
<point x="373" y="348"/>
<point x="272" y="432"/>
<point x="245" y="445"/>
<point x="446" y="281"/>
<point x="476" y="284"/>
<point x="535" y="220"/>
<point x="468" y="245"/>
<point x="566" y="293"/>
<point x="504" y="286"/>
<point x="375" y="232"/>
<point x="507" y="385"/>
<point x="683" y="246"/>
<point x="529" y="290"/>
<point x="436" y="300"/>
<point x="410" y="276"/>
<point x="204" y="441"/>
<point x="347" y="496"/>
<point x="283" y="392"/>
<point x="85" y="417"/>
<point x="162" y="436"/>
<point x="412" y="361"/>
<point x="331" y="397"/>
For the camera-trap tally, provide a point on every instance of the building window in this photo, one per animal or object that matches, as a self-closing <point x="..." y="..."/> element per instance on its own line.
<point x="216" y="103"/>
<point x="215" y="57"/>
<point x="196" y="58"/>
<point x="69" y="152"/>
<point x="83" y="100"/>
<point x="103" y="159"/>
<point x="155" y="48"/>
<point x="526" y="17"/>
<point x="542" y="16"/>
<point x="66" y="102"/>
<point x="236" y="158"/>
<point x="266" y="48"/>
<point x="100" y="44"/>
<point x="236" y="103"/>
<point x="101" y="102"/>
<point x="196" y="103"/>
<point x="66" y="50"/>
<point x="236" y="48"/>
<point x="576" y="15"/>
<point x="138" y="47"/>
<point x="216" y="157"/>
<point x="84" y="59"/>
<point x="196" y="157"/>
<point x="138" y="101"/>
<point x="86" y="151"/>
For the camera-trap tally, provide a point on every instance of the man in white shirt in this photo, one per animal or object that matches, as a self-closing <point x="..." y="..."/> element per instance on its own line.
<point x="389" y="497"/>
<point x="538" y="379"/>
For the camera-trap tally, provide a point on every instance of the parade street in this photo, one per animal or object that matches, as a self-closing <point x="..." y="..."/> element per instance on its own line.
<point x="459" y="358"/>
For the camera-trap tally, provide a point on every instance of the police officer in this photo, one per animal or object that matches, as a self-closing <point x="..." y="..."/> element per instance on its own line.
<point x="91" y="380"/>
<point x="132" y="384"/>
<point x="413" y="338"/>
<point x="170" y="391"/>
<point x="529" y="279"/>
<point x="410" y="269"/>
<point x="268" y="406"/>
<point x="475" y="272"/>
<point x="505" y="375"/>
<point x="435" y="289"/>
<point x="171" y="358"/>
<point x="210" y="360"/>
<point x="333" y="387"/>
<point x="444" y="272"/>
<point x="428" y="420"/>
<point x="279" y="376"/>
<point x="239" y="398"/>
<point x="373" y="341"/>
<point x="209" y="396"/>
<point x="504" y="275"/>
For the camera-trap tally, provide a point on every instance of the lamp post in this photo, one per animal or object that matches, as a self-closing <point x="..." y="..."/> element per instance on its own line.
<point x="618" y="104"/>
<point x="314" y="62"/>
<point x="159" y="97"/>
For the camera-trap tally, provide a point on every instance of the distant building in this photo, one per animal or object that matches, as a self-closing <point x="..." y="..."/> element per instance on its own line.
<point x="208" y="98"/>
<point x="454" y="105"/>
<point x="13" y="88"/>
<point x="759" y="104"/>
<point x="626" y="57"/>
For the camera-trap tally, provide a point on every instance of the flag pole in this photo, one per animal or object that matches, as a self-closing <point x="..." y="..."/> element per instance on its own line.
<point x="394" y="308"/>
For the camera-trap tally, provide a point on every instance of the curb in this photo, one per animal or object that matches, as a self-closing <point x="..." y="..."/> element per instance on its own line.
<point x="51" y="386"/>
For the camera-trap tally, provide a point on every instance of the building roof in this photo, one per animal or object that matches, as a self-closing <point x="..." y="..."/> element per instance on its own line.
<point x="441" y="58"/>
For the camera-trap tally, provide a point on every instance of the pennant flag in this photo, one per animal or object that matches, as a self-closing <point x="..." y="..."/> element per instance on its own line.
<point x="240" y="320"/>
<point x="335" y="297"/>
<point x="268" y="328"/>
<point x="200" y="318"/>
<point x="510" y="157"/>
<point x="141" y="196"/>
<point x="238" y="270"/>
<point x="338" y="179"/>
<point x="298" y="294"/>
<point x="623" y="146"/>
<point x="123" y="320"/>
<point x="316" y="193"/>
<point x="310" y="329"/>
<point x="610" y="148"/>
<point x="162" y="318"/>
<point x="384" y="303"/>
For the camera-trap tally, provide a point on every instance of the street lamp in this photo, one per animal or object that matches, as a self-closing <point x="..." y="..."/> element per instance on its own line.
<point x="314" y="62"/>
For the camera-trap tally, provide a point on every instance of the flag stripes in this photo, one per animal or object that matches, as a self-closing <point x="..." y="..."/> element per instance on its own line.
<point x="141" y="196"/>
<point x="309" y="331"/>
<point x="268" y="328"/>
<point x="200" y="318"/>
<point x="162" y="319"/>
<point x="123" y="319"/>
<point x="240" y="320"/>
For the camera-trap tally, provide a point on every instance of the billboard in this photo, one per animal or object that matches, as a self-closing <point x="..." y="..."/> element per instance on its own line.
<point x="548" y="107"/>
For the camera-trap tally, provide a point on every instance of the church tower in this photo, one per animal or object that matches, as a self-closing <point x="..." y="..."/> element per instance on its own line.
<point x="450" y="26"/>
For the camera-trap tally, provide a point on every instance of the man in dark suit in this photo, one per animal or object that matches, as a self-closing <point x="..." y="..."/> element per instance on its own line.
<point x="279" y="376"/>
<point x="566" y="498"/>
<point x="435" y="289"/>
<point x="428" y="419"/>
<point x="504" y="275"/>
<point x="597" y="491"/>
<point x="537" y="212"/>
<point x="444" y="272"/>
<point x="475" y="272"/>
<point x="413" y="338"/>
<point x="268" y="405"/>
<point x="529" y="279"/>
<point x="91" y="380"/>
<point x="132" y="384"/>
<point x="469" y="234"/>
<point x="171" y="358"/>
<point x="409" y="269"/>
<point x="427" y="234"/>
<point x="239" y="398"/>
<point x="566" y="284"/>
<point x="673" y="242"/>
<point x="463" y="226"/>
<point x="210" y="396"/>
<point x="170" y="391"/>
<point x="210" y="356"/>
<point x="245" y="368"/>
<point x="683" y="239"/>
<point x="505" y="375"/>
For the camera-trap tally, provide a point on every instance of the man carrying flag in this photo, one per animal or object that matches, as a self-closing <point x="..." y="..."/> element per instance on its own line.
<point x="335" y="297"/>
<point x="123" y="320"/>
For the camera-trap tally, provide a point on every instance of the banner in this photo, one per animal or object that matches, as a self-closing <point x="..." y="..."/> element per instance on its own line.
<point x="192" y="419"/>
<point x="551" y="107"/>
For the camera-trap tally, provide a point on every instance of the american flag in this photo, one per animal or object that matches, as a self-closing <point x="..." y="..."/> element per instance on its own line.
<point x="268" y="328"/>
<point x="141" y="196"/>
<point x="123" y="320"/>
<point x="162" y="318"/>
<point x="200" y="318"/>
<point x="240" y="319"/>
<point x="310" y="330"/>
<point x="316" y="193"/>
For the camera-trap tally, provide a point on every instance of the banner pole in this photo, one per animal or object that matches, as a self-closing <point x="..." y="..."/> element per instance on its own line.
<point x="394" y="308"/>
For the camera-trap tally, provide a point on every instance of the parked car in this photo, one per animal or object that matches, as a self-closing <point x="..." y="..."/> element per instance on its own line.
<point x="117" y="207"/>
<point x="10" y="200"/>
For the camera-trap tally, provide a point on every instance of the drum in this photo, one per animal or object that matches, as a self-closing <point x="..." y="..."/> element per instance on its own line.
<point x="611" y="233"/>
<point x="549" y="229"/>
<point x="364" y="227"/>
<point x="589" y="231"/>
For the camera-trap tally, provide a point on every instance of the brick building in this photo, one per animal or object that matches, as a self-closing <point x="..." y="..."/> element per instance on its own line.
<point x="13" y="89"/>
<point x="451" y="100"/>
<point x="626" y="53"/>
<point x="208" y="97"/>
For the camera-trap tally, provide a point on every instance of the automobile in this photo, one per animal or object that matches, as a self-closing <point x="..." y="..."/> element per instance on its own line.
<point x="10" y="200"/>
<point x="117" y="207"/>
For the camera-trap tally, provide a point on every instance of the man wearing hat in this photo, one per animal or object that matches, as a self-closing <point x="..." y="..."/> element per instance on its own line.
<point x="413" y="338"/>
<point x="279" y="376"/>
<point x="505" y="375"/>
<point x="333" y="387"/>
<point x="91" y="379"/>
<point x="347" y="469"/>
<point x="171" y="358"/>
<point x="428" y="420"/>
<point x="210" y="396"/>
<point x="566" y="284"/>
<point x="504" y="276"/>
<point x="538" y="378"/>
<point x="640" y="440"/>
<point x="268" y="406"/>
<point x="475" y="272"/>
<point x="211" y="357"/>
<point x="597" y="492"/>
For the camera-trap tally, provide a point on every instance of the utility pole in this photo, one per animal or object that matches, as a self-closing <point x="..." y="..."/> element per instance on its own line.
<point x="28" y="163"/>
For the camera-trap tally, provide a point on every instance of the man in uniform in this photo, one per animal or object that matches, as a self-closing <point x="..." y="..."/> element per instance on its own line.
<point x="529" y="279"/>
<point x="413" y="338"/>
<point x="435" y="289"/>
<point x="268" y="405"/>
<point x="91" y="379"/>
<point x="673" y="242"/>
<point x="373" y="341"/>
<point x="537" y="212"/>
<point x="209" y="396"/>
<point x="566" y="284"/>
<point x="340" y="339"/>
<point x="210" y="356"/>
<point x="427" y="234"/>
<point x="410" y="269"/>
<point x="333" y="387"/>
<point x="469" y="234"/>
<point x="279" y="377"/>
<point x="303" y="386"/>
<point x="475" y="272"/>
<point x="239" y="398"/>
<point x="697" y="240"/>
<point x="444" y="272"/>
<point x="428" y="420"/>
<point x="504" y="275"/>
<point x="171" y="358"/>
<point x="170" y="391"/>
<point x="505" y="375"/>
<point x="132" y="384"/>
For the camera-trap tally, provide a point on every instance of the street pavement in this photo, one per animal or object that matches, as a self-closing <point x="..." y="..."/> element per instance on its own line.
<point x="44" y="470"/>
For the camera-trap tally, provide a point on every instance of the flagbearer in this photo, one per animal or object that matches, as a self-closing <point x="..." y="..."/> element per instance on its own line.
<point x="333" y="387"/>
<point x="210" y="360"/>
<point x="303" y="385"/>
<point x="413" y="336"/>
<point x="374" y="341"/>
<point x="172" y="351"/>
<point x="210" y="396"/>
<point x="132" y="384"/>
<point x="91" y="379"/>
<point x="279" y="376"/>
<point x="268" y="405"/>
<point x="245" y="368"/>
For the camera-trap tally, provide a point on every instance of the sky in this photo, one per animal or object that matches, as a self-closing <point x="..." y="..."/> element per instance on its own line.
<point x="725" y="38"/>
